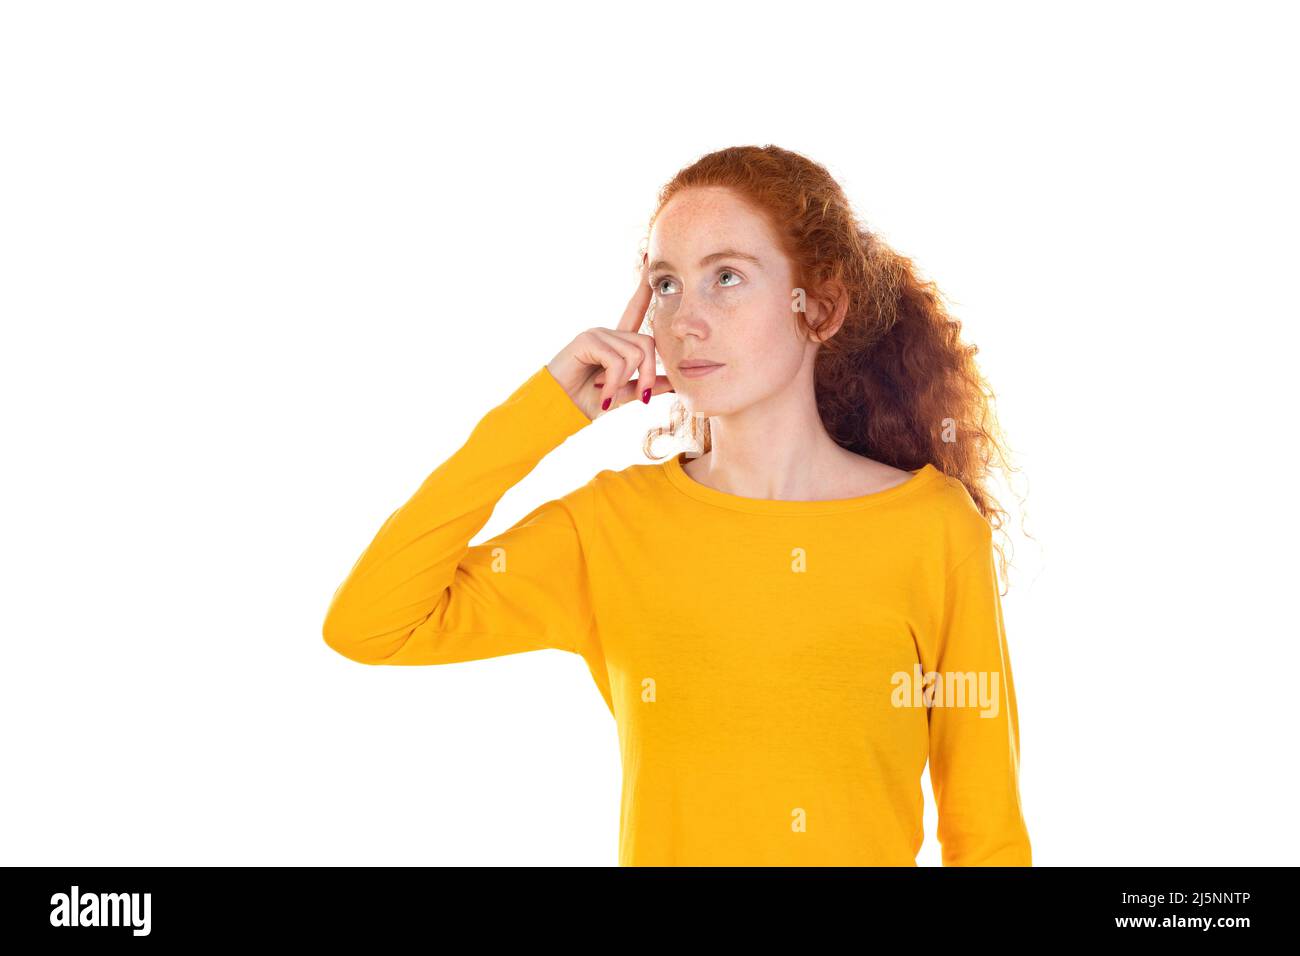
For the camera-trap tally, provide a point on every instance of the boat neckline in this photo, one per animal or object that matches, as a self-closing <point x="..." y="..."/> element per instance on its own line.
<point x="676" y="474"/>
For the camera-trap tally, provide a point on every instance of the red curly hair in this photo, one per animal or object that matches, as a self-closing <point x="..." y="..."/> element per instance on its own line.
<point x="895" y="383"/>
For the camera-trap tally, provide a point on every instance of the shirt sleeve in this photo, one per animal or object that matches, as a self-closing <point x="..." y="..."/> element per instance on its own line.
<point x="420" y="594"/>
<point x="975" y="742"/>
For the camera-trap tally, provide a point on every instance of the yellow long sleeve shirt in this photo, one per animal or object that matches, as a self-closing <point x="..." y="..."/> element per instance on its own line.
<point x="771" y="665"/>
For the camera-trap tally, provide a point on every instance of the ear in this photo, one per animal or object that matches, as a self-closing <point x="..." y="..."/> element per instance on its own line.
<point x="827" y="312"/>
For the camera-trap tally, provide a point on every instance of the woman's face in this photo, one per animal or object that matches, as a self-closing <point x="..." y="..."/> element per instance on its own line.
<point x="722" y="293"/>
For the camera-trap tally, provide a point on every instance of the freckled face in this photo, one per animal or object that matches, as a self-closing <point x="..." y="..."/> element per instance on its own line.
<point x="722" y="292"/>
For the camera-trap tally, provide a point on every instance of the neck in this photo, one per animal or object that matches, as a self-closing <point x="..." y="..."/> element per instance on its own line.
<point x="777" y="448"/>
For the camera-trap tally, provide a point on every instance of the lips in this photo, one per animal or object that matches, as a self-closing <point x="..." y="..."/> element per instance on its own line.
<point x="697" y="368"/>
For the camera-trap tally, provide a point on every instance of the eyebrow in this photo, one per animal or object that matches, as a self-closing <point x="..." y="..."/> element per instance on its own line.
<point x="723" y="254"/>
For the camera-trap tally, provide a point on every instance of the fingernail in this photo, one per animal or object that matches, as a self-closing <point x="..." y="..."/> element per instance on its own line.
<point x="604" y="405"/>
<point x="645" y="396"/>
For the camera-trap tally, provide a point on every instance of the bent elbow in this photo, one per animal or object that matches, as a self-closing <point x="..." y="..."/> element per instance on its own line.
<point x="343" y="640"/>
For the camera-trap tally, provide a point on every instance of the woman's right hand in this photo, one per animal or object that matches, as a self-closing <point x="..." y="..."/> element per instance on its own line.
<point x="595" y="367"/>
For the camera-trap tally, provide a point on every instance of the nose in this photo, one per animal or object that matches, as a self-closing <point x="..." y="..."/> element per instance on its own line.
<point x="682" y="320"/>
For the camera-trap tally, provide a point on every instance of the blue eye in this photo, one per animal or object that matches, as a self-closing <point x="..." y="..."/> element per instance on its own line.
<point x="657" y="284"/>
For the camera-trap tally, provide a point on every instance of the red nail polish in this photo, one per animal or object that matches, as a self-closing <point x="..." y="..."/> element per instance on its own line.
<point x="645" y="396"/>
<point x="604" y="405"/>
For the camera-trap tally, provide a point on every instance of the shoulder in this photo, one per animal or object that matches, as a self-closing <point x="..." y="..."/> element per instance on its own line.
<point x="962" y="527"/>
<point x="632" y="481"/>
<point x="638" y="479"/>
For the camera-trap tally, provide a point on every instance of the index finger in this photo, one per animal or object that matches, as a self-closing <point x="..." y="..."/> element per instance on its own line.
<point x="634" y="315"/>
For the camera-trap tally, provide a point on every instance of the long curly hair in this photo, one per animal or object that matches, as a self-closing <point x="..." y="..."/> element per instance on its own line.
<point x="895" y="383"/>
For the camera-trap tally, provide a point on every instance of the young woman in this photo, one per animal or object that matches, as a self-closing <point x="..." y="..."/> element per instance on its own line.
<point x="787" y="620"/>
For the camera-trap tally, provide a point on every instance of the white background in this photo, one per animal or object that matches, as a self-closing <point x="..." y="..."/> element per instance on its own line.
<point x="264" y="265"/>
